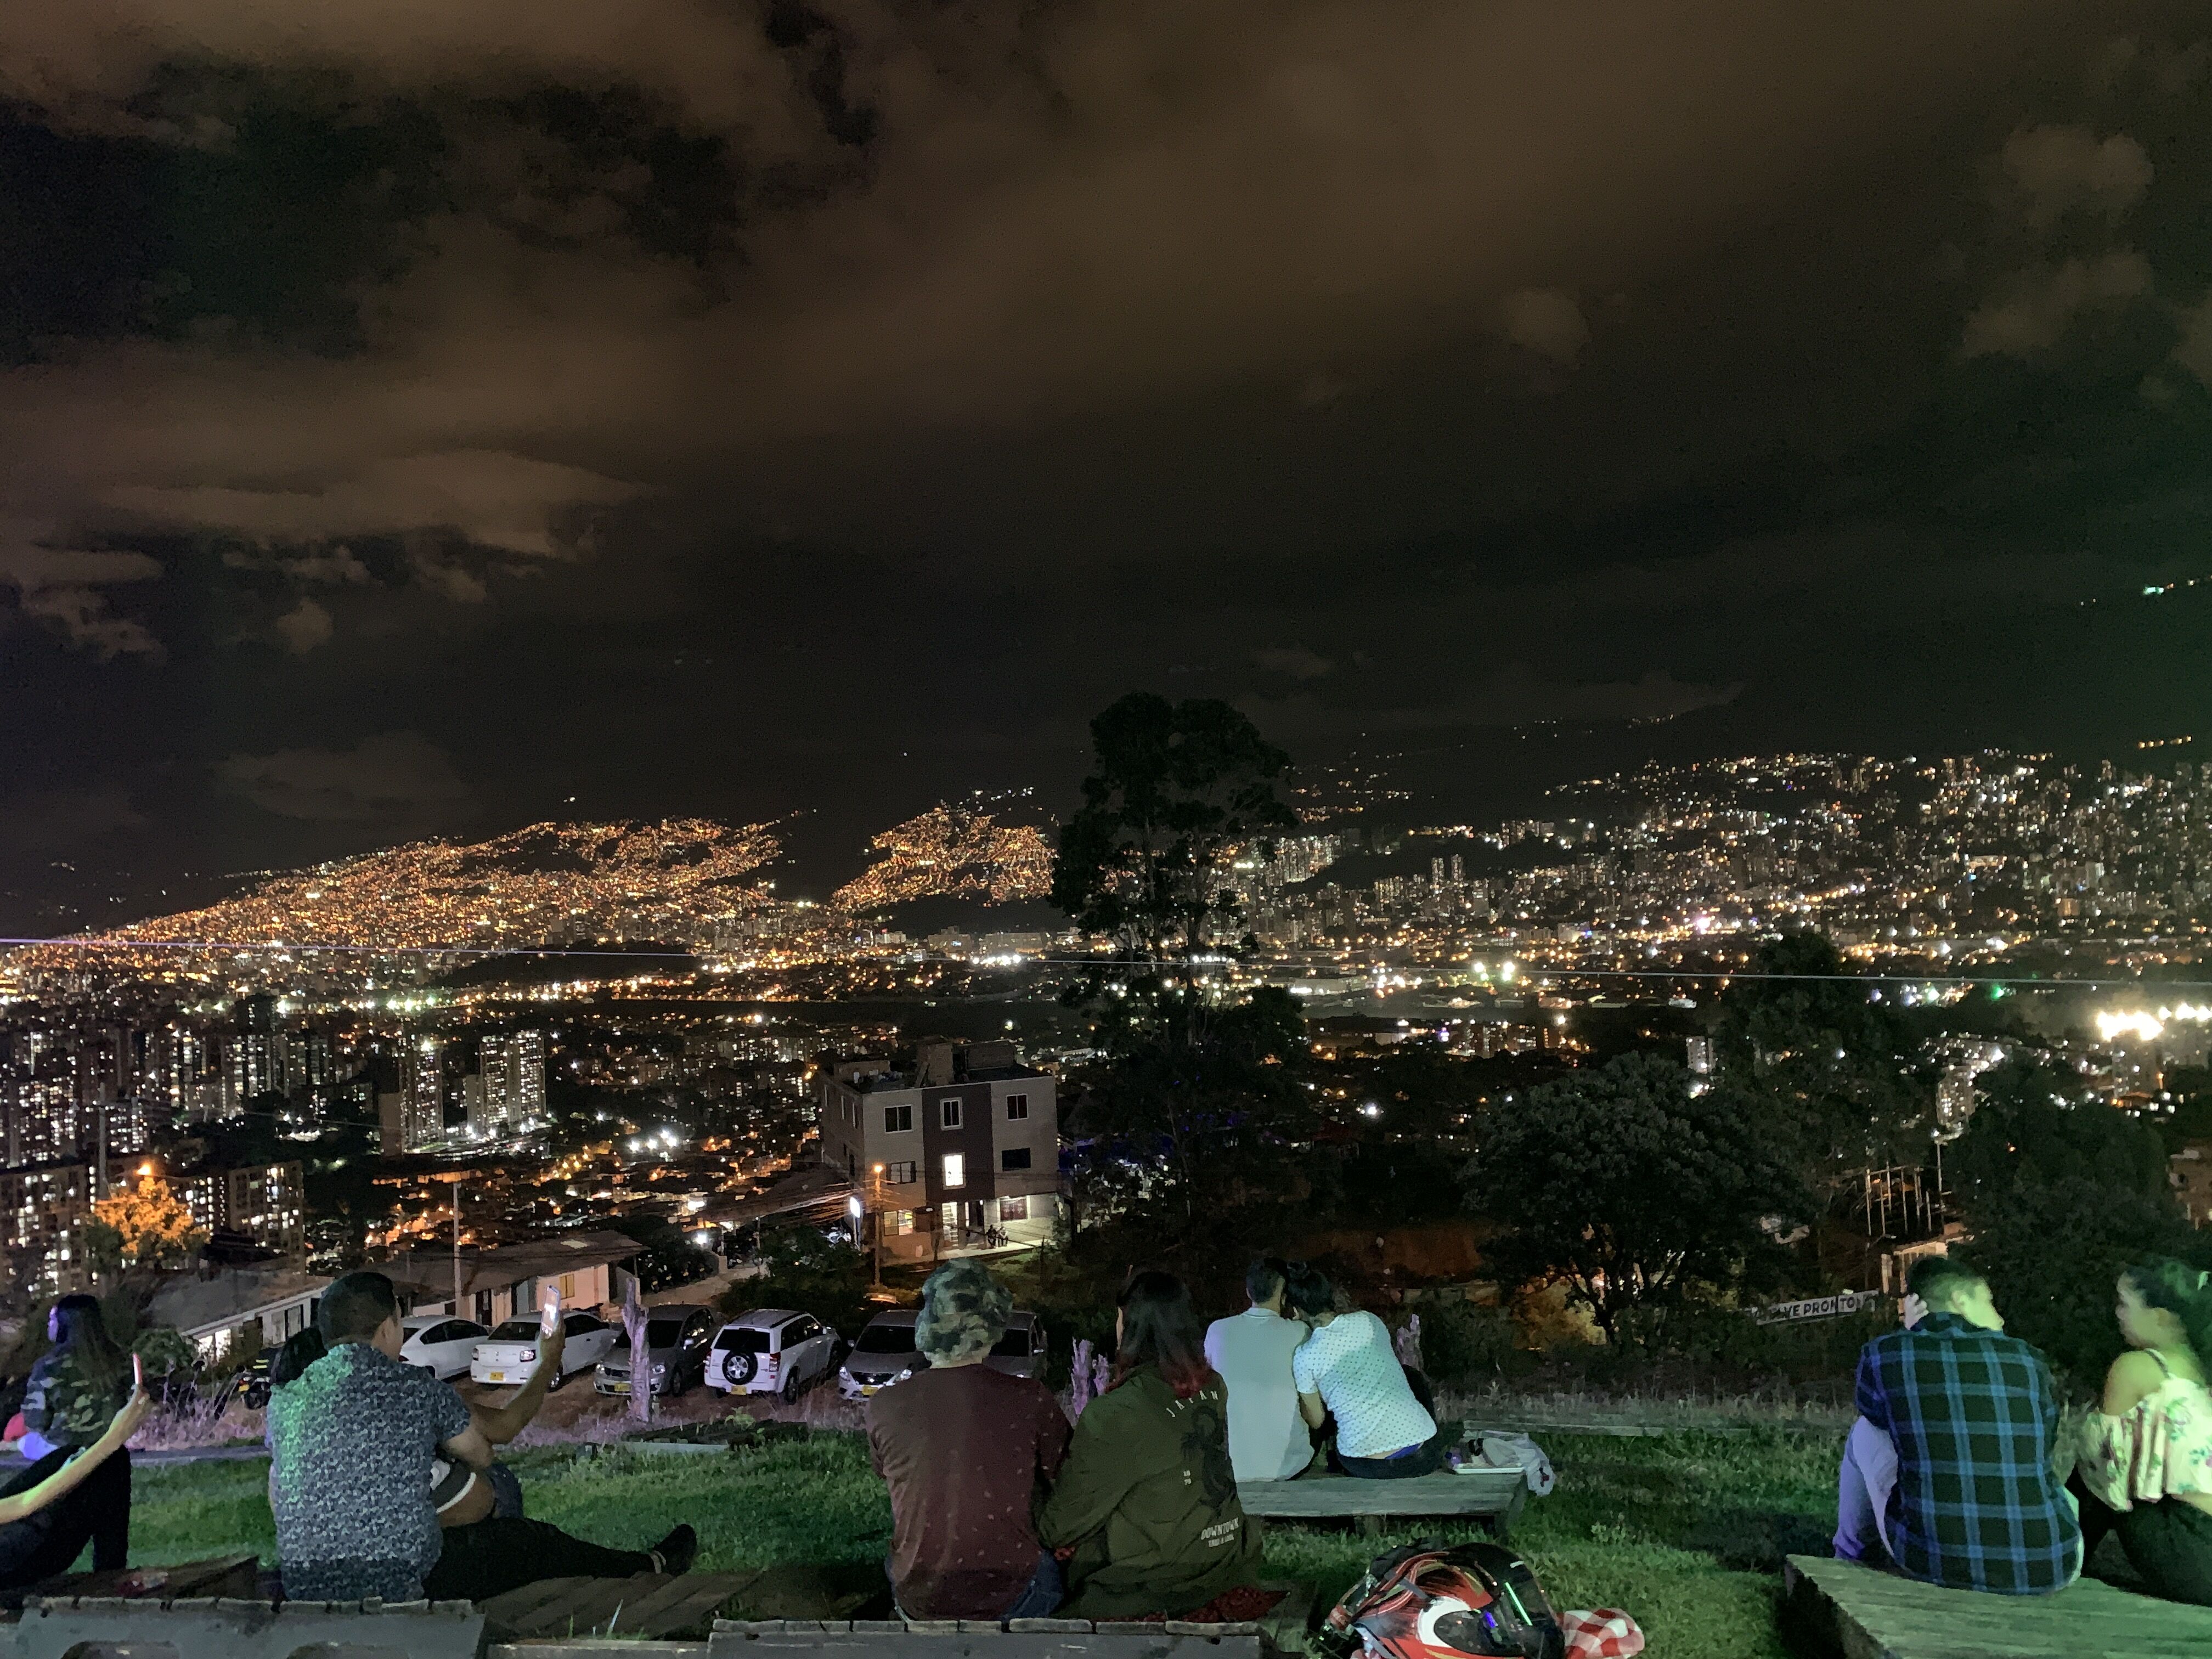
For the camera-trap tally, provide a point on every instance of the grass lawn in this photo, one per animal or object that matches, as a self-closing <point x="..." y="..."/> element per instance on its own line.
<point x="1686" y="1530"/>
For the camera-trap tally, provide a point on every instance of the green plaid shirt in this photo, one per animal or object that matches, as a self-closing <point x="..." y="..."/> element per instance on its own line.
<point x="1974" y="1414"/>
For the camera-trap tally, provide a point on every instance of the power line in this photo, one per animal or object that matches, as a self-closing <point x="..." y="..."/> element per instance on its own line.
<point x="1535" y="971"/>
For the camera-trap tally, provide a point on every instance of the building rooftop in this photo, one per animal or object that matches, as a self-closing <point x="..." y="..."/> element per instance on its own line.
<point x="430" y="1271"/>
<point x="198" y="1306"/>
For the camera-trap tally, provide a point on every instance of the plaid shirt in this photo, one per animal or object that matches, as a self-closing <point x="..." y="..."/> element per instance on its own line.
<point x="1974" y="1414"/>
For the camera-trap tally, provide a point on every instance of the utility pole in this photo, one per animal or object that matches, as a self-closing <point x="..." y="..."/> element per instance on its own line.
<point x="876" y="1219"/>
<point x="458" y="1314"/>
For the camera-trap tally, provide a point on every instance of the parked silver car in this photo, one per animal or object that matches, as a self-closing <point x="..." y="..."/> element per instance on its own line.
<point x="885" y="1353"/>
<point x="676" y="1339"/>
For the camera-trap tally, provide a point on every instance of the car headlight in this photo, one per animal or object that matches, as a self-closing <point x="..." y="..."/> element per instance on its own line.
<point x="903" y="1374"/>
<point x="530" y="1356"/>
<point x="660" y="1370"/>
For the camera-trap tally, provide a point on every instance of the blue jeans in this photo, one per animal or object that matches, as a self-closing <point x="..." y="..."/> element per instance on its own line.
<point x="1039" y="1597"/>
<point x="1409" y="1464"/>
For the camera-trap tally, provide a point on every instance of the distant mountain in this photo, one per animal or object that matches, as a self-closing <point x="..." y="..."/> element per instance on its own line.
<point x="951" y="853"/>
<point x="548" y="882"/>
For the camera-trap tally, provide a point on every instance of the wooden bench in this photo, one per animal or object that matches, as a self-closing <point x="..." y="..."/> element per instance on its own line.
<point x="1841" y="1610"/>
<point x="233" y="1576"/>
<point x="649" y="1607"/>
<point x="1494" y="1497"/>
<point x="228" y="1627"/>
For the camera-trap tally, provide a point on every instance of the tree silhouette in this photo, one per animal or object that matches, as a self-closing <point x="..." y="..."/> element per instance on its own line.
<point x="1175" y="788"/>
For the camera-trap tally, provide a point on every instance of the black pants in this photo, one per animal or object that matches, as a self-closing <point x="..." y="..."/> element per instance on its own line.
<point x="490" y="1558"/>
<point x="98" y="1512"/>
<point x="2168" y="1542"/>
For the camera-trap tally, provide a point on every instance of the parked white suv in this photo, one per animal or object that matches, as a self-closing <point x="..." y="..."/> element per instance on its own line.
<point x="773" y="1351"/>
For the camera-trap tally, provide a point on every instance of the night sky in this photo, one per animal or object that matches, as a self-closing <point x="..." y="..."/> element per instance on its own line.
<point x="419" y="418"/>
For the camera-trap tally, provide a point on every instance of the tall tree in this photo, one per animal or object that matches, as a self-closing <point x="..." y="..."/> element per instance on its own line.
<point x="1633" y="1190"/>
<point x="2060" y="1192"/>
<point x="1175" y="788"/>
<point x="151" y="1226"/>
<point x="1802" y="1028"/>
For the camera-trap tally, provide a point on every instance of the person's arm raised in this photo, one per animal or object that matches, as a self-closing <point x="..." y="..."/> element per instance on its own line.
<point x="72" y="1474"/>
<point x="500" y="1424"/>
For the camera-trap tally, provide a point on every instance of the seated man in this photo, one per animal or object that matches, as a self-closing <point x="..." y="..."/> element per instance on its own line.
<point x="1250" y="1351"/>
<point x="965" y="1450"/>
<point x="352" y="1437"/>
<point x="1947" y="1472"/>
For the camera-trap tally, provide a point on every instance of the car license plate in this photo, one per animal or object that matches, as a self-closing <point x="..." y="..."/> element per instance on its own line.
<point x="617" y="1388"/>
<point x="495" y="1377"/>
<point x="867" y="1389"/>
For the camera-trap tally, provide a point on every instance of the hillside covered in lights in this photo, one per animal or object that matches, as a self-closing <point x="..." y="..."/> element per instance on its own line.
<point x="548" y="882"/>
<point x="952" y="852"/>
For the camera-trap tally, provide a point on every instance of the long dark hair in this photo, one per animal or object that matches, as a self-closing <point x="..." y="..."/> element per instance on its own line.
<point x="301" y="1350"/>
<point x="79" y="1331"/>
<point x="1160" y="1328"/>
<point x="2183" y="1291"/>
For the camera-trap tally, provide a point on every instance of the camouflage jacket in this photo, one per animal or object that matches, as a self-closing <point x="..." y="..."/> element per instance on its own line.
<point x="67" y="1403"/>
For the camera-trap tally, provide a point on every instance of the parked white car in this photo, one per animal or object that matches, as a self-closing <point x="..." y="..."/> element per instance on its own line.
<point x="773" y="1351"/>
<point x="440" y="1344"/>
<point x="510" y="1354"/>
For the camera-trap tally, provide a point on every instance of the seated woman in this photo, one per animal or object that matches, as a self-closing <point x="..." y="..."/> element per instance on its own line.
<point x="72" y="1395"/>
<point x="2145" y="1466"/>
<point x="1347" y="1369"/>
<point x="1145" y="1509"/>
<point x="72" y="1497"/>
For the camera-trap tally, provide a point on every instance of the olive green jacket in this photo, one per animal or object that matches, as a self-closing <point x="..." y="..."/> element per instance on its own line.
<point x="1148" y="1500"/>
<point x="71" y="1403"/>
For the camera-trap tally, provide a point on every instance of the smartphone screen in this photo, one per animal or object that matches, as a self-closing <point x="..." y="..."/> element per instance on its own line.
<point x="549" y="1321"/>
<point x="137" y="1374"/>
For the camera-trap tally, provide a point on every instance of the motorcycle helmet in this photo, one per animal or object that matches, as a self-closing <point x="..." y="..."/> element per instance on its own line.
<point x="1433" y="1600"/>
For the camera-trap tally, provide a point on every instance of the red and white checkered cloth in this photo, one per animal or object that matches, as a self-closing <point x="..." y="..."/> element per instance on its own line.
<point x="1600" y="1633"/>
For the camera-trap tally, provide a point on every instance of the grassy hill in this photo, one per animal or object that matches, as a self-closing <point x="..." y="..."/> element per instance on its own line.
<point x="1686" y="1530"/>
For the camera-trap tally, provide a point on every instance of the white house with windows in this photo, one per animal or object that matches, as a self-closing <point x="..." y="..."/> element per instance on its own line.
<point x="944" y="1144"/>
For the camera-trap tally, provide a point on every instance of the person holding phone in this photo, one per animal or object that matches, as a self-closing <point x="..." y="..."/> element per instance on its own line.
<point x="72" y="1497"/>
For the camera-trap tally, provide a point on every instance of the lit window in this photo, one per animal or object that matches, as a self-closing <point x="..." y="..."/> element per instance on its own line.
<point x="956" y="1169"/>
<point x="1018" y="1106"/>
<point x="948" y="1112"/>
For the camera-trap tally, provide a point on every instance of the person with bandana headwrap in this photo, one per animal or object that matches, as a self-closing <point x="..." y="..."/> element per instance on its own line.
<point x="967" y="1452"/>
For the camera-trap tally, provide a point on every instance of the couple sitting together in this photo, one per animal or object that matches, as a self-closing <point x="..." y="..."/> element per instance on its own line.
<point x="999" y="1510"/>
<point x="1953" y="1473"/>
<point x="1296" y="1368"/>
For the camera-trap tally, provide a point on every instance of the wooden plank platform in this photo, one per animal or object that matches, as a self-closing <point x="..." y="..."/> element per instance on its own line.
<point x="1495" y="1497"/>
<point x="652" y="1605"/>
<point x="219" y="1575"/>
<point x="1840" y="1610"/>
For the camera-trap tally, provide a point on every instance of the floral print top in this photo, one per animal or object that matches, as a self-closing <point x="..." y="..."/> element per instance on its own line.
<point x="2160" y="1447"/>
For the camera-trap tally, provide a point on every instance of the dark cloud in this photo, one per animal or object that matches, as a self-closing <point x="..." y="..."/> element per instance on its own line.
<point x="592" y="389"/>
<point x="396" y="779"/>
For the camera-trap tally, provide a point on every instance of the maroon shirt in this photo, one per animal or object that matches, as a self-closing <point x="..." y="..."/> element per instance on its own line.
<point x="964" y="1451"/>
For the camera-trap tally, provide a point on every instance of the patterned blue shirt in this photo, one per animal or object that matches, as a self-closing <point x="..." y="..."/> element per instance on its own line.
<point x="1974" y="1415"/>
<point x="350" y="1442"/>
